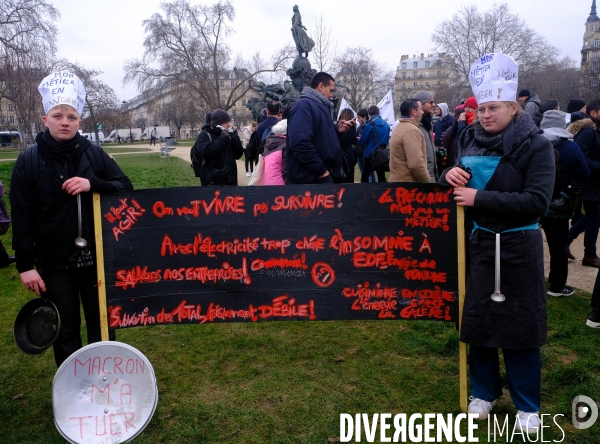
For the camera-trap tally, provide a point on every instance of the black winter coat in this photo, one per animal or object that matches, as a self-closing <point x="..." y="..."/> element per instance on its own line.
<point x="221" y="152"/>
<point x="312" y="145"/>
<point x="517" y="195"/>
<point x="588" y="140"/>
<point x="45" y="216"/>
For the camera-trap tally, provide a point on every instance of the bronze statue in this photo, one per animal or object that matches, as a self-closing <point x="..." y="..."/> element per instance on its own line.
<point x="304" y="43"/>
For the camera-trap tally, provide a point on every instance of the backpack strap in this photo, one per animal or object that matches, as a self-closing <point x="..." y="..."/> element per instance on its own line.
<point x="32" y="164"/>
<point x="32" y="161"/>
<point x="95" y="158"/>
<point x="372" y="122"/>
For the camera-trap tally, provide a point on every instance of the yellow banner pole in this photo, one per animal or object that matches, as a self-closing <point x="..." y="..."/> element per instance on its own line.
<point x="462" y="347"/>
<point x="100" y="267"/>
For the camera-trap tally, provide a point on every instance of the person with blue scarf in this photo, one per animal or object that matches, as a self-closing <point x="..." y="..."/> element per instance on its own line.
<point x="504" y="178"/>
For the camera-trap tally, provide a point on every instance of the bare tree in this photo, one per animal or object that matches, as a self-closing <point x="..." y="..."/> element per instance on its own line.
<point x="141" y="122"/>
<point x="361" y="78"/>
<point x="27" y="26"/>
<point x="21" y="73"/>
<point x="325" y="50"/>
<point x="98" y="94"/>
<point x="472" y="33"/>
<point x="187" y="44"/>
<point x="27" y="47"/>
<point x="558" y="81"/>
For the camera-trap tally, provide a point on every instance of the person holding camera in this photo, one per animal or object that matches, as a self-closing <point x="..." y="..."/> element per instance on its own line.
<point x="219" y="146"/>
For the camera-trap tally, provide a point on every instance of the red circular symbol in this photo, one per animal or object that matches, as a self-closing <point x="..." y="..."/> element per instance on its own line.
<point x="322" y="274"/>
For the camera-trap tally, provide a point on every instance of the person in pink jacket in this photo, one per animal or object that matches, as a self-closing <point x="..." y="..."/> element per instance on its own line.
<point x="274" y="155"/>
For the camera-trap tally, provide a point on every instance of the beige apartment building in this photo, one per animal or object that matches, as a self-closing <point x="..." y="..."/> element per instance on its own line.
<point x="147" y="107"/>
<point x="590" y="55"/>
<point x="417" y="73"/>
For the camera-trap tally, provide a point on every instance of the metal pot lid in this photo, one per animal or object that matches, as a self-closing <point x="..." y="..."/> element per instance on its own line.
<point x="36" y="326"/>
<point x="104" y="393"/>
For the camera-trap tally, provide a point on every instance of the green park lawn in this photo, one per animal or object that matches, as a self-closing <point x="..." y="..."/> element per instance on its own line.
<point x="288" y="382"/>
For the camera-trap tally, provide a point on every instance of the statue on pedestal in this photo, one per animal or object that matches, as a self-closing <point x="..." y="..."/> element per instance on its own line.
<point x="304" y="43"/>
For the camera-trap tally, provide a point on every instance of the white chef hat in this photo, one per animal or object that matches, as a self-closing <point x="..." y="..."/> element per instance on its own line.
<point x="494" y="77"/>
<point x="62" y="88"/>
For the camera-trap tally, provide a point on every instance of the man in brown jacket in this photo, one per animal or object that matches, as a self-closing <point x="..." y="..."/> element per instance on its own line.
<point x="408" y="152"/>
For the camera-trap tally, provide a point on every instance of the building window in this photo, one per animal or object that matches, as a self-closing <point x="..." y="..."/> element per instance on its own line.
<point x="404" y="65"/>
<point x="427" y="74"/>
<point x="415" y="64"/>
<point x="594" y="66"/>
<point x="243" y="102"/>
<point x="403" y="75"/>
<point x="597" y="42"/>
<point x="593" y="82"/>
<point x="245" y="122"/>
<point x="426" y="84"/>
<point x="223" y="103"/>
<point x="403" y="85"/>
<point x="233" y="112"/>
<point x="10" y="106"/>
<point x="233" y="83"/>
<point x="439" y="83"/>
<point x="415" y="75"/>
<point x="416" y="84"/>
<point x="427" y="63"/>
<point x="222" y="84"/>
<point x="595" y="55"/>
<point x="439" y="74"/>
<point x="360" y="97"/>
<point x="12" y="118"/>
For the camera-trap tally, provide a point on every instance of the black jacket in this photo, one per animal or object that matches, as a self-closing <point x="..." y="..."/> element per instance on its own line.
<point x="588" y="140"/>
<point x="45" y="216"/>
<point x="219" y="153"/>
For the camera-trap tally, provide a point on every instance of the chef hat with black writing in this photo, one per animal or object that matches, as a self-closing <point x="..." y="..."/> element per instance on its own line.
<point x="62" y="88"/>
<point x="494" y="78"/>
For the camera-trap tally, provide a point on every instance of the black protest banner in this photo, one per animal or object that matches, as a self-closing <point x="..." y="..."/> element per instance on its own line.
<point x="310" y="252"/>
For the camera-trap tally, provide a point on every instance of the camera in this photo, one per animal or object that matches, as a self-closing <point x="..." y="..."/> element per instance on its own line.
<point x="222" y="128"/>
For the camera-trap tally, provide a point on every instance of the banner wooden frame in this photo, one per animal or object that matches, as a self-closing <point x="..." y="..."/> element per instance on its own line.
<point x="461" y="257"/>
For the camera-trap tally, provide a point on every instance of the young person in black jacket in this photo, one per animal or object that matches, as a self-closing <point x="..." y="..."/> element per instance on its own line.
<point x="219" y="145"/>
<point x="45" y="182"/>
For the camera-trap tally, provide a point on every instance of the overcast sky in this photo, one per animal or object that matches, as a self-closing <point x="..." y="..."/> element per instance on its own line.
<point x="103" y="34"/>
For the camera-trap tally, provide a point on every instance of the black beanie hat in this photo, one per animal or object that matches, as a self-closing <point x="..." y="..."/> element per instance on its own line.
<point x="575" y="105"/>
<point x="524" y="93"/>
<point x="219" y="117"/>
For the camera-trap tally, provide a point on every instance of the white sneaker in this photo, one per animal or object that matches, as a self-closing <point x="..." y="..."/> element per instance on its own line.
<point x="248" y="174"/>
<point x="530" y="422"/>
<point x="480" y="407"/>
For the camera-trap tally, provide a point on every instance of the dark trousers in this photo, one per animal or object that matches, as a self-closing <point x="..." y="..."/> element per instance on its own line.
<point x="153" y="141"/>
<point x="557" y="233"/>
<point x="65" y="288"/>
<point x="591" y="224"/>
<point x="523" y="372"/>
<point x="367" y="170"/>
<point x="249" y="161"/>
<point x="361" y="162"/>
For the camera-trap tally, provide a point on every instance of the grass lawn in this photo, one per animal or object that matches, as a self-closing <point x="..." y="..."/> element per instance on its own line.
<point x="288" y="382"/>
<point x="117" y="149"/>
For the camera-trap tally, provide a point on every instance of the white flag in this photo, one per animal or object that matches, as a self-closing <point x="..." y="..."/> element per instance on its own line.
<point x="386" y="109"/>
<point x="344" y="105"/>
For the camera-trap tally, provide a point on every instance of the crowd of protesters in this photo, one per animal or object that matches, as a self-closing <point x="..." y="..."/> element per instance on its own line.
<point x="515" y="163"/>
